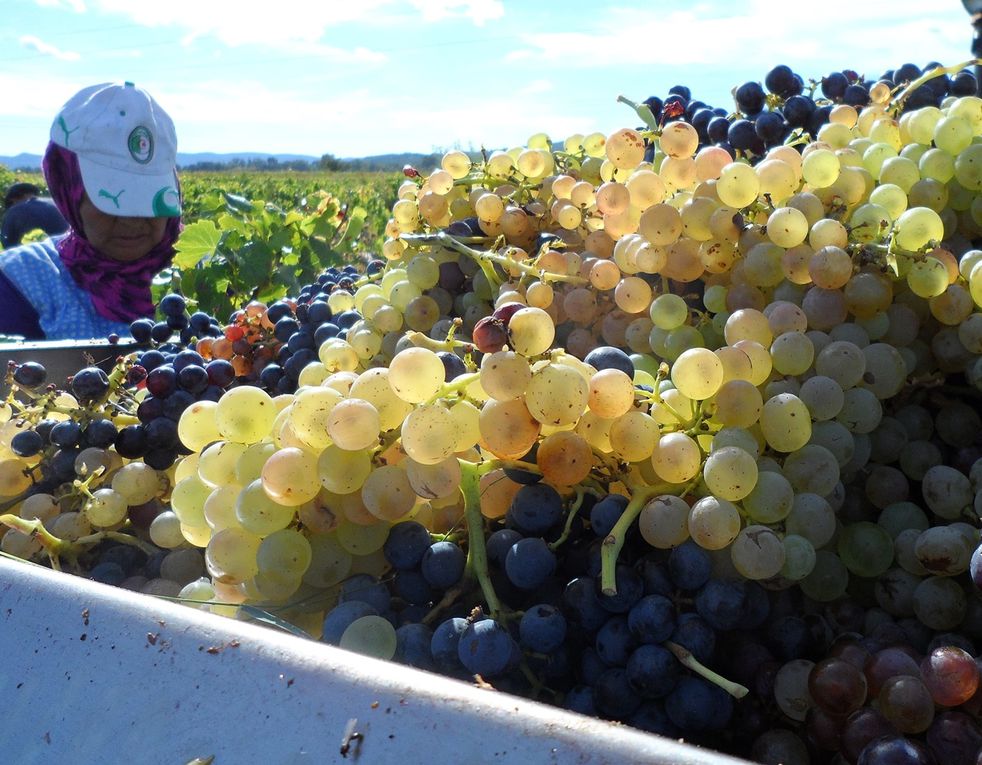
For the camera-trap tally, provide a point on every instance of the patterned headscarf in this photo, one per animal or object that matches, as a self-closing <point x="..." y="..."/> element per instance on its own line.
<point x="120" y="291"/>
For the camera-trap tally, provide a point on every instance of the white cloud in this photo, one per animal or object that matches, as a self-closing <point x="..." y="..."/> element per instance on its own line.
<point x="292" y="22"/>
<point x="76" y="5"/>
<point x="751" y="34"/>
<point x="478" y="11"/>
<point x="47" y="49"/>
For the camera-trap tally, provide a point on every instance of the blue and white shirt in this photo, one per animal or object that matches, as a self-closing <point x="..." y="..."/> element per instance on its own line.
<point x="64" y="310"/>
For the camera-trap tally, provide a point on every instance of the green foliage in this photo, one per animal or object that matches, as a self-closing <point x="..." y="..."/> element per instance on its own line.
<point x="242" y="250"/>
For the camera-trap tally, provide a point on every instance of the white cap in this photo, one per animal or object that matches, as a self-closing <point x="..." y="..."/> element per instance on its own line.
<point x="126" y="147"/>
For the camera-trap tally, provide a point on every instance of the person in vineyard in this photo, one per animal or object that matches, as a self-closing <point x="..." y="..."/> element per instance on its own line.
<point x="26" y="211"/>
<point x="110" y="165"/>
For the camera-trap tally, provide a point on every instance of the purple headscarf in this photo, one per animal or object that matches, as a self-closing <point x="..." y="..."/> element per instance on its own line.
<point x="120" y="291"/>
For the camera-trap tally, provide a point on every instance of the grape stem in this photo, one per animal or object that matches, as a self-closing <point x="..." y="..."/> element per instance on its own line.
<point x="477" y="552"/>
<point x="57" y="547"/>
<point x="483" y="258"/>
<point x="685" y="657"/>
<point x="614" y="541"/>
<point x="574" y="508"/>
<point x="898" y="102"/>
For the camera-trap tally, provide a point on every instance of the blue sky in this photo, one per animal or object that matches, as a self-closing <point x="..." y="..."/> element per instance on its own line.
<point x="364" y="77"/>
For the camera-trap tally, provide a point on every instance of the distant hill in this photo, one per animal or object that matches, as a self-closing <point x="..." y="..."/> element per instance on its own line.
<point x="215" y="161"/>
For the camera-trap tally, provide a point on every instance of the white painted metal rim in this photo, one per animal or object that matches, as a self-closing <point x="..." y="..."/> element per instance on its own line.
<point x="92" y="674"/>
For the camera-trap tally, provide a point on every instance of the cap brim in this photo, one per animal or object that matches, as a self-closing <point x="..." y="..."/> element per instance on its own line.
<point x="130" y="195"/>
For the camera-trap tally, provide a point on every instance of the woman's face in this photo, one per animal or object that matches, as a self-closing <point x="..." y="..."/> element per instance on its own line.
<point x="123" y="239"/>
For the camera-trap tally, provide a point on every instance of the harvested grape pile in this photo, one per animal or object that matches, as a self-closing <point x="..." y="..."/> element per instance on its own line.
<point x="676" y="426"/>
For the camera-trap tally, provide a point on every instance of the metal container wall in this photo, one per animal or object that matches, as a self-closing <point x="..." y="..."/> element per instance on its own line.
<point x="97" y="675"/>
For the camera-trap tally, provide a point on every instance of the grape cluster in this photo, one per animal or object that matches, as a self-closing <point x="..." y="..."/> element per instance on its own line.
<point x="665" y="426"/>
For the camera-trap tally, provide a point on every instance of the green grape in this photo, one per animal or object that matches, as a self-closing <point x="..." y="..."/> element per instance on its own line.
<point x="260" y="515"/>
<point x="217" y="463"/>
<point x="739" y="437"/>
<point x="505" y="375"/>
<point x="373" y="386"/>
<point x="664" y="521"/>
<point x="787" y="227"/>
<point x="354" y="424"/>
<point x="697" y="373"/>
<point x="828" y="578"/>
<point x="198" y="425"/>
<point x="105" y="508"/>
<point x="799" y="557"/>
<point x="813" y="469"/>
<point x="811" y="517"/>
<point x="886" y="196"/>
<point x="371" y="636"/>
<point x="917" y="227"/>
<point x="865" y="548"/>
<point x="748" y="324"/>
<point x="785" y="422"/>
<point x="942" y="551"/>
<point x="557" y="395"/>
<point x="285" y="552"/>
<point x="940" y="603"/>
<point x="792" y="353"/>
<point x="823" y="396"/>
<point x="771" y="499"/>
<point x="676" y="458"/>
<point x="835" y="437"/>
<point x="329" y="564"/>
<point x="361" y="540"/>
<point x="137" y="483"/>
<point x="188" y="501"/>
<point x="341" y="471"/>
<point x="937" y="164"/>
<point x="530" y="331"/>
<point x="757" y="552"/>
<point x="861" y="410"/>
<point x="231" y="556"/>
<point x="633" y="436"/>
<point x="668" y="311"/>
<point x="219" y="507"/>
<point x="928" y="277"/>
<point x="610" y="393"/>
<point x="245" y="414"/>
<point x="713" y="523"/>
<point x="249" y="464"/>
<point x="165" y="531"/>
<point x="681" y="339"/>
<point x="289" y="477"/>
<point x="429" y="434"/>
<point x="434" y="481"/>
<point x="337" y="355"/>
<point x="885" y="371"/>
<point x="842" y="361"/>
<point x="387" y="493"/>
<point x="738" y="185"/>
<point x="900" y="516"/>
<point x="820" y="168"/>
<point x="947" y="491"/>
<point x="738" y="404"/>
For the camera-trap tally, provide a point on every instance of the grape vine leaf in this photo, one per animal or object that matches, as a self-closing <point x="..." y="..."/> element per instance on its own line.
<point x="196" y="242"/>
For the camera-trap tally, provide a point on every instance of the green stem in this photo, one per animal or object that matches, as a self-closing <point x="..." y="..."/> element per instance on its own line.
<point x="483" y="258"/>
<point x="898" y="102"/>
<point x="54" y="546"/>
<point x="574" y="508"/>
<point x="642" y="110"/>
<point x="685" y="657"/>
<point x="614" y="541"/>
<point x="477" y="552"/>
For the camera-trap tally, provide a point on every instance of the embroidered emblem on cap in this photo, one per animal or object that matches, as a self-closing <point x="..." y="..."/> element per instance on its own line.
<point x="140" y="144"/>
